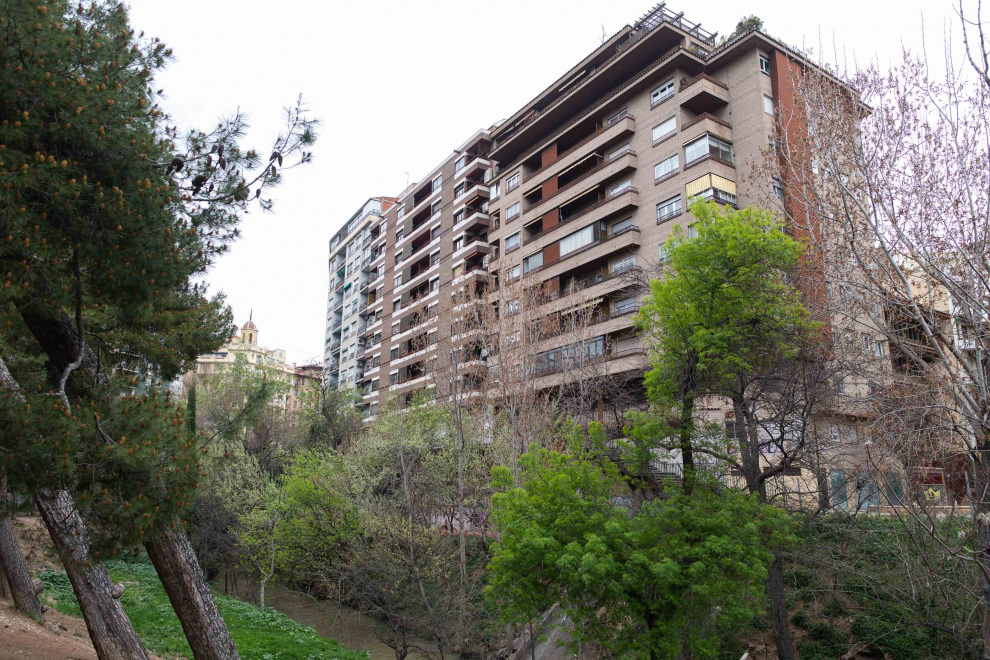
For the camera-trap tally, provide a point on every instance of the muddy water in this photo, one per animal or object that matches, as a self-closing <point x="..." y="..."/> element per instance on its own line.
<point x="354" y="630"/>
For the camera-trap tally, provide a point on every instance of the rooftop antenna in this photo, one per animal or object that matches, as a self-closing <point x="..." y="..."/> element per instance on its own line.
<point x="407" y="177"/>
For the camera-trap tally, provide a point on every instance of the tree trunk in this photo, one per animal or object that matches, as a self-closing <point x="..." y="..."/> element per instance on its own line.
<point x="109" y="628"/>
<point x="261" y="594"/>
<point x="12" y="565"/>
<point x="778" y="610"/>
<point x="687" y="450"/>
<point x="17" y="584"/>
<point x="462" y="560"/>
<point x="191" y="598"/>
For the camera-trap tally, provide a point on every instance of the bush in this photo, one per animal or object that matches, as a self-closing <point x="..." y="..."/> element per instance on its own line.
<point x="801" y="619"/>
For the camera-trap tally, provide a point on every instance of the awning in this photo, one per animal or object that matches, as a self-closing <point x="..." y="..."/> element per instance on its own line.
<point x="593" y="154"/>
<point x="580" y="195"/>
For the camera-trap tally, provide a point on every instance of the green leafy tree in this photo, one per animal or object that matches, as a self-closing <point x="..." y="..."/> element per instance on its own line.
<point x="724" y="320"/>
<point x="667" y="580"/>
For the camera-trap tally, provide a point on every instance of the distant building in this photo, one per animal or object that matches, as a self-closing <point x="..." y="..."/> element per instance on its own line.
<point x="299" y="378"/>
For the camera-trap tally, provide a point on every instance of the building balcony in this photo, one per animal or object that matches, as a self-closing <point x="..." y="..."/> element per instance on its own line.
<point x="477" y="245"/>
<point x="473" y="219"/>
<point x="703" y="94"/>
<point x="627" y="239"/>
<point x="600" y="322"/>
<point x="335" y="347"/>
<point x="620" y="201"/>
<point x="478" y="192"/>
<point x="589" y="145"/>
<point x="474" y="165"/>
<point x="606" y="170"/>
<point x="705" y="123"/>
<point x="612" y="362"/>
<point x="600" y="284"/>
<point x="476" y="272"/>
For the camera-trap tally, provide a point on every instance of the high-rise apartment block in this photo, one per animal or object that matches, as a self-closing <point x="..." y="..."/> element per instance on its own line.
<point x="580" y="185"/>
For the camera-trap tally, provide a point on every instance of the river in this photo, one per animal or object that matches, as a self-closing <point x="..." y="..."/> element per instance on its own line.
<point x="354" y="630"/>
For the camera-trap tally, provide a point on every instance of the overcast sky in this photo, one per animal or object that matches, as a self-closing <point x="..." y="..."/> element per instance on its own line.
<point x="399" y="84"/>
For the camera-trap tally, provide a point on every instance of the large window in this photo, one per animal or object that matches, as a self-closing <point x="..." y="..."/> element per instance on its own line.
<point x="512" y="211"/>
<point x="666" y="166"/>
<point x="668" y="209"/>
<point x="533" y="261"/>
<point x="437" y="182"/>
<point x="401" y="213"/>
<point x="707" y="145"/>
<point x="664" y="128"/>
<point x="625" y="305"/>
<point x="435" y="208"/>
<point x="513" y="182"/>
<point x="461" y="162"/>
<point x="512" y="274"/>
<point x="662" y="93"/>
<point x="493" y="190"/>
<point x="577" y="240"/>
<point x="512" y="242"/>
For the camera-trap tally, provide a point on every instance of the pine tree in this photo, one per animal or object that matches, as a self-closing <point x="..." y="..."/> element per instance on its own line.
<point x="107" y="213"/>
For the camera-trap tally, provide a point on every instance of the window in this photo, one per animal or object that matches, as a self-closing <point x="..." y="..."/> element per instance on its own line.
<point x="833" y="433"/>
<point x="435" y="232"/>
<point x="435" y="208"/>
<point x="614" y="119"/>
<point x="764" y="65"/>
<point x="437" y="182"/>
<point x="692" y="231"/>
<point x="512" y="242"/>
<point x="707" y="145"/>
<point x="621" y="226"/>
<point x="434" y="284"/>
<point x="767" y="105"/>
<point x="577" y="240"/>
<point x="840" y="495"/>
<point x="461" y="162"/>
<point x="493" y="191"/>
<point x="878" y="349"/>
<point x="393" y="378"/>
<point x="397" y="282"/>
<point x="620" y="187"/>
<point x="662" y="93"/>
<point x="513" y="338"/>
<point x="533" y="261"/>
<point x="401" y="213"/>
<point x="394" y="353"/>
<point x="624" y="264"/>
<point x="665" y="128"/>
<point x="513" y="181"/>
<point x="458" y="243"/>
<point x="512" y="212"/>
<point x="435" y="257"/>
<point x="668" y="209"/>
<point x="512" y="274"/>
<point x="665" y="167"/>
<point x="513" y="307"/>
<point x="458" y="191"/>
<point x="399" y="234"/>
<point x="625" y="305"/>
<point x="778" y="188"/>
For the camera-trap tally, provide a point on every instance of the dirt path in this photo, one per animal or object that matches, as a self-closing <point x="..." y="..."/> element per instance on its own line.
<point x="63" y="638"/>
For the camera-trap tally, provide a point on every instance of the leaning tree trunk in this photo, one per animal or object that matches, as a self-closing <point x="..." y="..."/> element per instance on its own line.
<point x="191" y="598"/>
<point x="18" y="582"/>
<point x="109" y="628"/>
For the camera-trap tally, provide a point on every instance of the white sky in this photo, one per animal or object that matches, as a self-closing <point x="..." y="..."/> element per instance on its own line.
<point x="400" y="83"/>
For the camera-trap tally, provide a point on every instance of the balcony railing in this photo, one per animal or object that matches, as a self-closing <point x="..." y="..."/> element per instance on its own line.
<point x="601" y="241"/>
<point x="585" y="210"/>
<point x="585" y="284"/>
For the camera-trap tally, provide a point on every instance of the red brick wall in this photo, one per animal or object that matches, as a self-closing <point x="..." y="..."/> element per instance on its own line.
<point x="551" y="253"/>
<point x="786" y="77"/>
<point x="551" y="218"/>
<point x="549" y="155"/>
<point x="549" y="187"/>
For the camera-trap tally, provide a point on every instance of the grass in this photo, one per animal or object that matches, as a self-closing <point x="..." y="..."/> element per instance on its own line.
<point x="268" y="636"/>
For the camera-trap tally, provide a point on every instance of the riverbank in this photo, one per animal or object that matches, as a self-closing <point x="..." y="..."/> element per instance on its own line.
<point x="258" y="636"/>
<point x="268" y="636"/>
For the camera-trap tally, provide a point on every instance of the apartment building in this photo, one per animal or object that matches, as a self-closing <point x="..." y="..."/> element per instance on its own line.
<point x="576" y="189"/>
<point x="393" y="266"/>
<point x="594" y="172"/>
